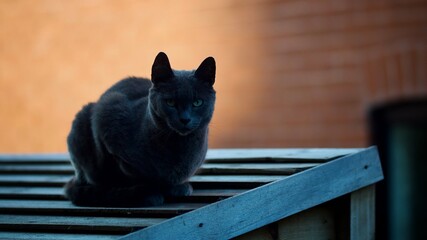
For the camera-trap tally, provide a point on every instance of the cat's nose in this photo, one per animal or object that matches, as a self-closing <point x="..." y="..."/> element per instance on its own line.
<point x="184" y="121"/>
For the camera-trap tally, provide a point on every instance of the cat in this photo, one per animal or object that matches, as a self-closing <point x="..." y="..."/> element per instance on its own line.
<point x="142" y="140"/>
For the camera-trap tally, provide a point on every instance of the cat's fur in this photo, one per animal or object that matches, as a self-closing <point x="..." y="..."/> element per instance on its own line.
<point x="143" y="139"/>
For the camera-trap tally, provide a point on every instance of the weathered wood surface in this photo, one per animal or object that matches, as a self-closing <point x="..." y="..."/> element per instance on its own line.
<point x="277" y="155"/>
<point x="31" y="194"/>
<point x="8" y="235"/>
<point x="57" y="193"/>
<point x="362" y="217"/>
<point x="204" y="181"/>
<point x="215" y="155"/>
<point x="75" y="223"/>
<point x="66" y="208"/>
<point x="253" y="209"/>
<point x="315" y="223"/>
<point x="208" y="168"/>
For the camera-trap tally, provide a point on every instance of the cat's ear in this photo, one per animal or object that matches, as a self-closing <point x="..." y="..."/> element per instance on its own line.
<point x="206" y="70"/>
<point x="161" y="70"/>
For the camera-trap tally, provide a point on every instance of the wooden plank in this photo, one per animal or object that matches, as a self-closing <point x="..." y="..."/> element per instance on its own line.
<point x="34" y="180"/>
<point x="218" y="192"/>
<point x="264" y="233"/>
<point x="7" y="235"/>
<point x="46" y="193"/>
<point x="35" y="158"/>
<point x="57" y="193"/>
<point x="255" y="208"/>
<point x="36" y="169"/>
<point x="51" y="207"/>
<point x="235" y="178"/>
<point x="254" y="168"/>
<point x="11" y="222"/>
<point x="207" y="168"/>
<point x="207" y="195"/>
<point x="208" y="181"/>
<point x="213" y="155"/>
<point x="313" y="223"/>
<point x="232" y="181"/>
<point x="319" y="155"/>
<point x="362" y="214"/>
<point x="330" y="220"/>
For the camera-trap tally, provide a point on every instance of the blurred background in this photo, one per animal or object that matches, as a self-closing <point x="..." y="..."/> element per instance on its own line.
<point x="290" y="73"/>
<point x="308" y="73"/>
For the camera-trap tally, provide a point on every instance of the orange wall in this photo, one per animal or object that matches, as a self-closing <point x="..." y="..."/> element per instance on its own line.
<point x="290" y="73"/>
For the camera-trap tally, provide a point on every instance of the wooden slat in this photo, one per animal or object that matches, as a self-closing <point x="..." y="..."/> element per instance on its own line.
<point x="314" y="223"/>
<point x="56" y="193"/>
<point x="362" y="214"/>
<point x="218" y="192"/>
<point x="55" y="168"/>
<point x="34" y="158"/>
<point x="255" y="168"/>
<point x="207" y="168"/>
<point x="8" y="235"/>
<point x="46" y="193"/>
<point x="248" y="211"/>
<point x="237" y="179"/>
<point x="319" y="155"/>
<point x="75" y="223"/>
<point x="55" y="207"/>
<point x="209" y="181"/>
<point x="213" y="155"/>
<point x="53" y="191"/>
<point x="34" y="180"/>
<point x="232" y="181"/>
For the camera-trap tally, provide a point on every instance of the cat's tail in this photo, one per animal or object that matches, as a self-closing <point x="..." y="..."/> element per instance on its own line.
<point x="102" y="196"/>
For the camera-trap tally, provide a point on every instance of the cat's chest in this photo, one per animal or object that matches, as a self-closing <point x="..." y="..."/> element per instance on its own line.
<point x="177" y="166"/>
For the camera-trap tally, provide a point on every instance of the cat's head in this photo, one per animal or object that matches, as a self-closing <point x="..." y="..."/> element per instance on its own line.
<point x="184" y="100"/>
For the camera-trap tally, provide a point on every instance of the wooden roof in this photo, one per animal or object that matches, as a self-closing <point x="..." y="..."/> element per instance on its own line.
<point x="236" y="191"/>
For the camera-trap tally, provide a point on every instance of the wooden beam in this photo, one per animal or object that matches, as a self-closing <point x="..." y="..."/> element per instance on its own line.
<point x="362" y="214"/>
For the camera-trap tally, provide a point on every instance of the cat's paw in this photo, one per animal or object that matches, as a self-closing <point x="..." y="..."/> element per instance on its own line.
<point x="152" y="200"/>
<point x="142" y="196"/>
<point x="184" y="189"/>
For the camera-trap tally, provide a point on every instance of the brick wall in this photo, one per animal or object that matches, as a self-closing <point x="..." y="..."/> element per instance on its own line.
<point x="290" y="73"/>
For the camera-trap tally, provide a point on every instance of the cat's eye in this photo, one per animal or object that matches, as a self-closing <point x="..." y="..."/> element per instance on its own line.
<point x="198" y="103"/>
<point x="170" y="103"/>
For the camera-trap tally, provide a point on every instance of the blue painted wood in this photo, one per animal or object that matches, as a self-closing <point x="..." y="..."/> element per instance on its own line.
<point x="263" y="155"/>
<point x="30" y="185"/>
<point x="222" y="181"/>
<point x="205" y="169"/>
<point x="38" y="157"/>
<point x="6" y="235"/>
<point x="213" y="155"/>
<point x="55" y="207"/>
<point x="74" y="223"/>
<point x="261" y="206"/>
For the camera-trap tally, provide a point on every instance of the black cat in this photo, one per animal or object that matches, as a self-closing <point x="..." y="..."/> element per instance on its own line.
<point x="142" y="140"/>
